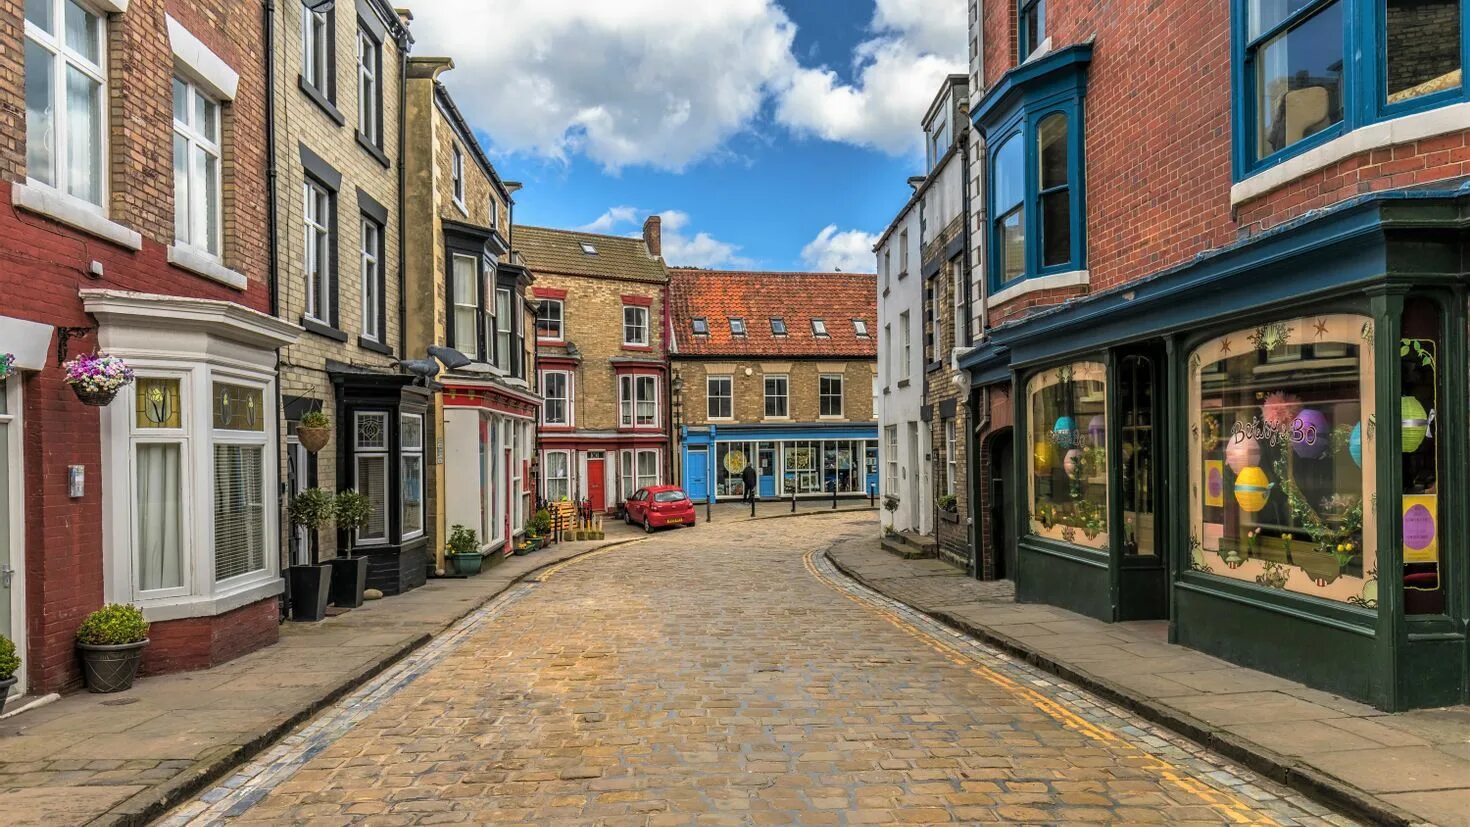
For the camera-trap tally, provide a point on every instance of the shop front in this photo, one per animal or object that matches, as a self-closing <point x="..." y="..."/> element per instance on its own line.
<point x="488" y="429"/>
<point x="1259" y="447"/>
<point x="812" y="461"/>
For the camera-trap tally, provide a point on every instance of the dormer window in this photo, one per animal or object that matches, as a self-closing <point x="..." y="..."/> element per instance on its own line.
<point x="588" y="249"/>
<point x="778" y="327"/>
<point x="737" y="327"/>
<point x="819" y="328"/>
<point x="701" y="326"/>
<point x="860" y="327"/>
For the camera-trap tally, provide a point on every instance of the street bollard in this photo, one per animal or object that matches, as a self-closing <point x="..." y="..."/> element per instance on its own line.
<point x="834" y="495"/>
<point x="872" y="494"/>
<point x="752" y="506"/>
<point x="706" y="508"/>
<point x="793" y="501"/>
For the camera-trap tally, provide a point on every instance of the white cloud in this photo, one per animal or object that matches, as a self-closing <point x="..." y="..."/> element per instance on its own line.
<point x="611" y="219"/>
<point x="679" y="248"/>
<point x="915" y="44"/>
<point x="850" y="251"/>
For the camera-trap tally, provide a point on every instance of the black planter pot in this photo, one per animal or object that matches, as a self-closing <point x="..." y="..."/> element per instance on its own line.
<point x="5" y="690"/>
<point x="110" y="668"/>
<point x="310" y="588"/>
<point x="349" y="580"/>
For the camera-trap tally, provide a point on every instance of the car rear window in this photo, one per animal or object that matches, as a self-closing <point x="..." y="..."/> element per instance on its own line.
<point x="668" y="496"/>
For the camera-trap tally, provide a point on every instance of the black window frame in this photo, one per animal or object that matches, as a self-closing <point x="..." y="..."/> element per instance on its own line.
<point x="470" y="246"/>
<point x="369" y="26"/>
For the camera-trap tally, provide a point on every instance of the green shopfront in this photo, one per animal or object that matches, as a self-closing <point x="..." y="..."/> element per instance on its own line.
<point x="1267" y="447"/>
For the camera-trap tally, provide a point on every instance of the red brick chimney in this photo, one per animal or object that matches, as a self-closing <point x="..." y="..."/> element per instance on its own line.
<point x="653" y="235"/>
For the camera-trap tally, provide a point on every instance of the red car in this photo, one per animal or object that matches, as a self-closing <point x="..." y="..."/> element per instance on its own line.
<point x="657" y="506"/>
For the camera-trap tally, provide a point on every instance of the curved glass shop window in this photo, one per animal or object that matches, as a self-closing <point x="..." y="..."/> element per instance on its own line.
<point x="1281" y="456"/>
<point x="1068" y="458"/>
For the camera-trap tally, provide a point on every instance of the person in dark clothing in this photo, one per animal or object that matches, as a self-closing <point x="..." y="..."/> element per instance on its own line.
<point x="748" y="477"/>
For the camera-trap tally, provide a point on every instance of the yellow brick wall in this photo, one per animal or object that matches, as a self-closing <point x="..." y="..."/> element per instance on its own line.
<point x="802" y="398"/>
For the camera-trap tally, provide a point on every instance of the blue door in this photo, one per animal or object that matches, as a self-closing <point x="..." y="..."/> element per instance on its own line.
<point x="767" y="468"/>
<point x="696" y="474"/>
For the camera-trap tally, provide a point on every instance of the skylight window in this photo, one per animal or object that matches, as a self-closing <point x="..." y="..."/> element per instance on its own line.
<point x="819" y="327"/>
<point x="737" y="327"/>
<point x="589" y="249"/>
<point x="778" y="327"/>
<point x="701" y="326"/>
<point x="860" y="327"/>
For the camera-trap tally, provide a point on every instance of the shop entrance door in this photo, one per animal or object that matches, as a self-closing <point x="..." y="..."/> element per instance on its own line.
<point x="12" y="596"/>
<point x="1138" y="446"/>
<point x="1003" y="504"/>
<point x="696" y="474"/>
<point x="916" y="462"/>
<point x="596" y="483"/>
<point x="767" y="469"/>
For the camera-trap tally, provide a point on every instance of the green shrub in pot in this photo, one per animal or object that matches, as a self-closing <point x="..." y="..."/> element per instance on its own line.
<point x="111" y="642"/>
<point x="9" y="660"/>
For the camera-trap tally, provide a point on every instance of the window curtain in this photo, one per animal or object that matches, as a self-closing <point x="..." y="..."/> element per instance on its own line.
<point x="160" y="522"/>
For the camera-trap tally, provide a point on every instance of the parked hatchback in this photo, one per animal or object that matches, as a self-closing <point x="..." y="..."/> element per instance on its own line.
<point x="658" y="506"/>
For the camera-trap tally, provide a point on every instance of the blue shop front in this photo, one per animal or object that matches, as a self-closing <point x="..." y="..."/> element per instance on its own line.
<point x="807" y="460"/>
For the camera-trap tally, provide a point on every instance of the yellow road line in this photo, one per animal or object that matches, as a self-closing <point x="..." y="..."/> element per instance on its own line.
<point x="1233" y="808"/>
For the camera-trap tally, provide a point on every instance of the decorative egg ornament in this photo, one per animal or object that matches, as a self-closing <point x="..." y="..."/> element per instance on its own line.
<point x="1097" y="429"/>
<point x="1415" y="424"/>
<point x="1242" y="452"/>
<point x="1072" y="462"/>
<point x="1355" y="445"/>
<point x="1311" y="436"/>
<point x="1043" y="457"/>
<point x="1064" y="433"/>
<point x="1252" y="489"/>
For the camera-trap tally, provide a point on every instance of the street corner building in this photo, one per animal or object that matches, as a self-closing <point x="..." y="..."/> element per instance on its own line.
<point x="776" y="371"/>
<point x="1220" y="339"/>
<point x="602" y="360"/>
<point x="135" y="223"/>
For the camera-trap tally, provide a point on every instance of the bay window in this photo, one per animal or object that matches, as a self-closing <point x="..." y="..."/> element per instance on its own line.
<point x="411" y="463"/>
<point x="159" y="447"/>
<point x="647" y="469"/>
<point x="638" y="401"/>
<point x="370" y="473"/>
<point x="464" y="328"/>
<point x="196" y="168"/>
<point x="503" y="324"/>
<point x="65" y="95"/>
<point x="240" y="495"/>
<point x="1068" y="460"/>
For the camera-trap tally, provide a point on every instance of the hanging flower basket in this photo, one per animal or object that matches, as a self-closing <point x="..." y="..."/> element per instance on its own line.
<point x="7" y="364"/>
<point x="96" y="378"/>
<point x="314" y="431"/>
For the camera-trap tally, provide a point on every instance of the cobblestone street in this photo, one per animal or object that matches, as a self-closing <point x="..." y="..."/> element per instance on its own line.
<point x="727" y="675"/>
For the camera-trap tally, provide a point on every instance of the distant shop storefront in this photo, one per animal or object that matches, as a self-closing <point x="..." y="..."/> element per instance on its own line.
<point x="806" y="461"/>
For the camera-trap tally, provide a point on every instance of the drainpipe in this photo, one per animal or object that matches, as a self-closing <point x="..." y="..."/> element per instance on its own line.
<point x="403" y="47"/>
<point x="272" y="232"/>
<point x="965" y="231"/>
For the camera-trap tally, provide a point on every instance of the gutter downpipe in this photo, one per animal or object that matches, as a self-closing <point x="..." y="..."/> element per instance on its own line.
<point x="272" y="230"/>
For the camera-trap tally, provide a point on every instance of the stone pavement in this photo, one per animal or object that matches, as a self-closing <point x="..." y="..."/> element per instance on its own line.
<point x="1411" y="767"/>
<point x="125" y="758"/>
<point x="727" y="676"/>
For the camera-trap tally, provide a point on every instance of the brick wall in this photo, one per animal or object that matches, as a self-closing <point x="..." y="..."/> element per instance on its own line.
<point x="944" y="386"/>
<point x="802" y="400"/>
<point x="199" y="643"/>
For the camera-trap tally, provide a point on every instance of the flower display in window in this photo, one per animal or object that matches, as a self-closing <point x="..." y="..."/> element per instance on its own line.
<point x="1280" y="410"/>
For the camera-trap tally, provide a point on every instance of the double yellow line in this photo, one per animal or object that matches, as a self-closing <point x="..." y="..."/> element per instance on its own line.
<point x="1229" y="806"/>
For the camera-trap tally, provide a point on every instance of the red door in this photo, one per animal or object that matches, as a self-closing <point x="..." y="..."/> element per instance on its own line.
<point x="595" y="482"/>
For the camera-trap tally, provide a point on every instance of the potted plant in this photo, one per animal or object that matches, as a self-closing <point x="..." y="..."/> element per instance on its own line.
<point x="349" y="574"/>
<point x="948" y="502"/>
<point x="540" y="524"/>
<point x="314" y="431"/>
<point x="310" y="584"/>
<point x="96" y="378"/>
<point x="111" y="642"/>
<point x="463" y="550"/>
<point x="9" y="665"/>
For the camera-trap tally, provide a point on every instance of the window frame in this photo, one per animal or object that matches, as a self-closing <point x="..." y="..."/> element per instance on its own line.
<point x="385" y="452"/>
<point x="452" y="332"/>
<point x="737" y="326"/>
<point x="819" y="329"/>
<point x="262" y="440"/>
<point x="639" y="476"/>
<point x="778" y="326"/>
<point x="631" y="400"/>
<point x="318" y="58"/>
<point x="697" y="323"/>
<point x="784" y="397"/>
<point x="824" y="396"/>
<point x="504" y="328"/>
<point x="62" y="58"/>
<point x="369" y="79"/>
<point x="569" y="418"/>
<point x="646" y="337"/>
<point x="374" y="283"/>
<point x="561" y="319"/>
<point x="860" y="328"/>
<point x="548" y="479"/>
<point x="906" y="346"/>
<point x="456" y="177"/>
<point x="320" y="244"/>
<point x="1024" y="125"/>
<point x="196" y="139"/>
<point x="1023" y="31"/>
<point x="728" y="397"/>
<point x="406" y="452"/>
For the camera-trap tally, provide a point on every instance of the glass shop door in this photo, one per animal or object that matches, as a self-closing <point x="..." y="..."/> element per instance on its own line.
<point x="1137" y="446"/>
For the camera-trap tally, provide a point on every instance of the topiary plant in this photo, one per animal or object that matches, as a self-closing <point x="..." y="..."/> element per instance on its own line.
<point x="9" y="660"/>
<point x="463" y="540"/>
<point x="312" y="508"/>
<point x="113" y="625"/>
<point x="352" y="509"/>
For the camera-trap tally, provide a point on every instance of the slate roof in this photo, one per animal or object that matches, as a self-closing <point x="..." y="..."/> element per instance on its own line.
<point x="757" y="297"/>
<point x="546" y="250"/>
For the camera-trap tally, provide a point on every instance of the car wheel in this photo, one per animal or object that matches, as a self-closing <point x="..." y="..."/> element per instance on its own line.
<point x="647" y="525"/>
<point x="627" y="518"/>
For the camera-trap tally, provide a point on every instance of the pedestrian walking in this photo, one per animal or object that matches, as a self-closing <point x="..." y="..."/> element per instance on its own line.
<point x="748" y="477"/>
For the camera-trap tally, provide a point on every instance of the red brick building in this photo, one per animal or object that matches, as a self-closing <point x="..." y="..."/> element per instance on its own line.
<point x="1217" y="252"/>
<point x="166" y="497"/>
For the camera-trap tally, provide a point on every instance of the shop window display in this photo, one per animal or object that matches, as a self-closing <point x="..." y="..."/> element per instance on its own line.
<point x="1069" y="462"/>
<point x="1281" y="457"/>
<point x="1420" y="506"/>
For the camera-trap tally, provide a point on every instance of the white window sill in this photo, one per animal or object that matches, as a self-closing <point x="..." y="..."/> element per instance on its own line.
<point x="832" y="418"/>
<point x="1074" y="278"/>
<point x="74" y="212"/>
<point x="204" y="264"/>
<point x="1414" y="127"/>
<point x="460" y="205"/>
<point x="213" y="605"/>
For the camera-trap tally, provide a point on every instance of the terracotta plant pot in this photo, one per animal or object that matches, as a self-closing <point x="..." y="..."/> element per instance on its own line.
<point x="111" y="668"/>
<point x="95" y="399"/>
<point x="314" y="439"/>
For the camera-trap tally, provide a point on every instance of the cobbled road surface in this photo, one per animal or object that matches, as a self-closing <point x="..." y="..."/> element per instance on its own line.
<point x="727" y="675"/>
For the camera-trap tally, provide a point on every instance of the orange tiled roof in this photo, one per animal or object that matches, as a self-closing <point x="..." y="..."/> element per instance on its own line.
<point x="795" y="298"/>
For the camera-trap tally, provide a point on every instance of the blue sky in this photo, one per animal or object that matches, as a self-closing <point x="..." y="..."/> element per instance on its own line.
<point x="752" y="125"/>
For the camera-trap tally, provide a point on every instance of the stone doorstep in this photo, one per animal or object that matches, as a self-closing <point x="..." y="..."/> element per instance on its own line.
<point x="903" y="550"/>
<point x="1301" y="776"/>
<point x="150" y="803"/>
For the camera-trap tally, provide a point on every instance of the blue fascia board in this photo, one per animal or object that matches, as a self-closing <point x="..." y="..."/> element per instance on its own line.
<point x="1041" y="77"/>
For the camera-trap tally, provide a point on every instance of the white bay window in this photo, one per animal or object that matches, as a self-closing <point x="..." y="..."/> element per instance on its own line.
<point x="370" y="473"/>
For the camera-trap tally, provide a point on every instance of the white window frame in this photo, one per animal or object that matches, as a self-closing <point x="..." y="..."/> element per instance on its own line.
<point x="951" y="467"/>
<point x="906" y="355"/>
<point x="627" y="475"/>
<point x="823" y="395"/>
<point x="455" y="306"/>
<point x="728" y="396"/>
<point x="262" y="440"/>
<point x="890" y="458"/>
<point x="13" y="420"/>
<point x="860" y="328"/>
<point x="632" y="399"/>
<point x="503" y="328"/>
<point x="737" y="327"/>
<point x="190" y="411"/>
<point x="64" y="57"/>
<point x="316" y="51"/>
<point x="561" y="320"/>
<point x="372" y="278"/>
<point x="316" y="220"/>
<point x="877" y="393"/>
<point x="407" y="451"/>
<point x="369" y="90"/>
<point x="569" y="420"/>
<point x="548" y="479"/>
<point x="639" y="476"/>
<point x="192" y="216"/>
<point x="819" y="328"/>
<point x="784" y="395"/>
<point x="638" y="325"/>
<point x="517" y="478"/>
<point x="359" y="450"/>
<point x="456" y="177"/>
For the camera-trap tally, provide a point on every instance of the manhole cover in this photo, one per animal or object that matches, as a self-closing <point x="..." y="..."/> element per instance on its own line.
<point x="120" y="702"/>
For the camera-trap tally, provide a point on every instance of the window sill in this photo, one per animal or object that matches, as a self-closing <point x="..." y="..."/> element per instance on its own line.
<point x="212" y="606"/>
<point x="903" y="383"/>
<point x="460" y="205"/>
<point x="322" y="101"/>
<point x="1073" y="278"/>
<point x="832" y="419"/>
<point x="1403" y="129"/>
<point x="311" y="325"/>
<point x="373" y="150"/>
<point x="374" y="345"/>
<point x="204" y="264"/>
<point x="73" y="212"/>
<point x="639" y="348"/>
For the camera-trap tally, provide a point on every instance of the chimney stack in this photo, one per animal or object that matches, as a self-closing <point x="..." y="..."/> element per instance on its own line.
<point x="653" y="235"/>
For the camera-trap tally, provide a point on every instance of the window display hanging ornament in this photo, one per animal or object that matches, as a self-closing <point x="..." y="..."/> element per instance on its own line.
<point x="1064" y="433"/>
<point x="1415" y="424"/>
<point x="1355" y="445"/>
<point x="1043" y="457"/>
<point x="1097" y="429"/>
<point x="1311" y="435"/>
<point x="1072" y="463"/>
<point x="1252" y="489"/>
<point x="1242" y="452"/>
